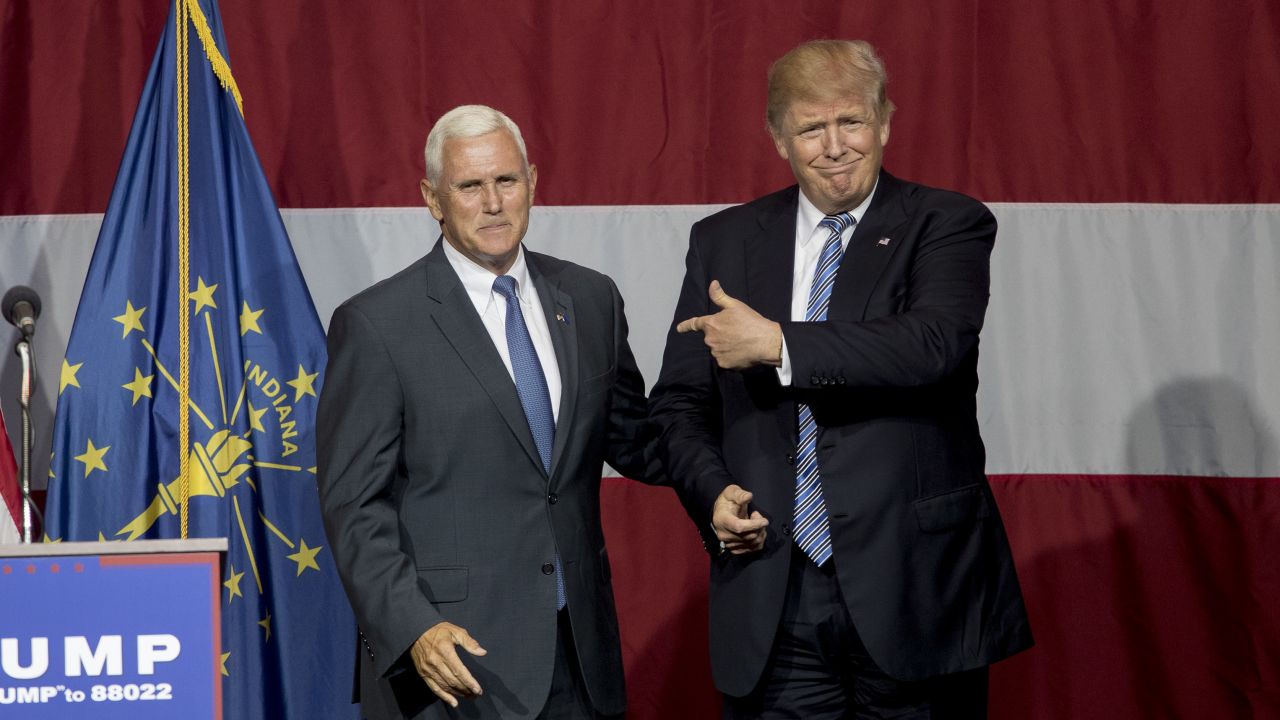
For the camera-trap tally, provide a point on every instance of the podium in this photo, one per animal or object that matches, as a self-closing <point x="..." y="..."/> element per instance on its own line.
<point x="111" y="630"/>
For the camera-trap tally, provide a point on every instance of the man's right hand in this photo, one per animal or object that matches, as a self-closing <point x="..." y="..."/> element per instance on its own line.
<point x="738" y="531"/>
<point x="437" y="661"/>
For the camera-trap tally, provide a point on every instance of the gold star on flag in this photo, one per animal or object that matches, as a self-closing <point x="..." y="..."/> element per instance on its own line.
<point x="255" y="417"/>
<point x="265" y="623"/>
<point x="92" y="458"/>
<point x="203" y="295"/>
<point x="249" y="320"/>
<point x="225" y="656"/>
<point x="302" y="384"/>
<point x="68" y="375"/>
<point x="131" y="319"/>
<point x="233" y="583"/>
<point x="141" y="385"/>
<point x="305" y="557"/>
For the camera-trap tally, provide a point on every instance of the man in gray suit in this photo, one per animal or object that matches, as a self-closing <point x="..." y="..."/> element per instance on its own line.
<point x="469" y="404"/>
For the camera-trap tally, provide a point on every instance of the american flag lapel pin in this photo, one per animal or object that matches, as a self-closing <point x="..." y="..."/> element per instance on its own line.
<point x="561" y="317"/>
<point x="885" y="241"/>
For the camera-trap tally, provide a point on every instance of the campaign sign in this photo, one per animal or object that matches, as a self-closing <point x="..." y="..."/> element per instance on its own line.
<point x="119" y="635"/>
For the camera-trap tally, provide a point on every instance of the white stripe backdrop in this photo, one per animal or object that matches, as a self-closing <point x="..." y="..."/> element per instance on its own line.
<point x="1121" y="339"/>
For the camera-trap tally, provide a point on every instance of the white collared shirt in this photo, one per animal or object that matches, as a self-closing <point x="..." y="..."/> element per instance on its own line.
<point x="810" y="238"/>
<point x="492" y="307"/>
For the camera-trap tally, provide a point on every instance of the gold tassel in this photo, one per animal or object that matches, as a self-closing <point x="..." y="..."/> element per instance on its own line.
<point x="219" y="64"/>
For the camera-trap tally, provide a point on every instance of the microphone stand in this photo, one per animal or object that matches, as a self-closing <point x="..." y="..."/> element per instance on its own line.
<point x="23" y="349"/>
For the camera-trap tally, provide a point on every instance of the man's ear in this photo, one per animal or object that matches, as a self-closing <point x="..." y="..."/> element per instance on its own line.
<point x="533" y="182"/>
<point x="432" y="200"/>
<point x="779" y="144"/>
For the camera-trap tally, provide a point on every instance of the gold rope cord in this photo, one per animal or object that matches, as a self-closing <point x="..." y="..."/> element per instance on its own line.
<point x="184" y="264"/>
<point x="189" y="11"/>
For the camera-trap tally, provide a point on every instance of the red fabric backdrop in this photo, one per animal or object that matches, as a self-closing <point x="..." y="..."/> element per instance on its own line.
<point x="641" y="103"/>
<point x="1149" y="596"/>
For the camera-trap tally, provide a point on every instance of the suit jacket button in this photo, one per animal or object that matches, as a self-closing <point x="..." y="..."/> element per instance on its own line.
<point x="815" y="379"/>
<point x="791" y="459"/>
<point x="786" y="529"/>
<point x="553" y="498"/>
<point x="548" y="568"/>
<point x="840" y="380"/>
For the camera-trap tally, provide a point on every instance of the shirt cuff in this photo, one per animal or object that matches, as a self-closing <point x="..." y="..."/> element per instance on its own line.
<point x="784" y="370"/>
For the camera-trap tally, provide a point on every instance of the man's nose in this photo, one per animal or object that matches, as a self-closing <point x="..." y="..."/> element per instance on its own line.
<point x="491" y="198"/>
<point x="832" y="146"/>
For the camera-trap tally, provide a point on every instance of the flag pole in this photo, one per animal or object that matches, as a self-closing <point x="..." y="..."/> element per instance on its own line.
<point x="23" y="349"/>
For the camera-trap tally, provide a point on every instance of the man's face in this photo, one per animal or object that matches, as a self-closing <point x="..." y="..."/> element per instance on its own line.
<point x="482" y="198"/>
<point x="835" y="149"/>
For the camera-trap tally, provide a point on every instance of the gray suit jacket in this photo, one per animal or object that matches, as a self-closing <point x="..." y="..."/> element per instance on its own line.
<point x="435" y="500"/>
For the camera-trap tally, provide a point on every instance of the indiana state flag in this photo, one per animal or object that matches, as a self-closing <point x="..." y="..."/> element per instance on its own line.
<point x="190" y="383"/>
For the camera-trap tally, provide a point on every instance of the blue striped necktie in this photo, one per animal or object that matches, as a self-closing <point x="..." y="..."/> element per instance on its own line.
<point x="531" y="386"/>
<point x="812" y="532"/>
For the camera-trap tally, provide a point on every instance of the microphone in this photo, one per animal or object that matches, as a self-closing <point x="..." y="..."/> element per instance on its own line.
<point x="21" y="307"/>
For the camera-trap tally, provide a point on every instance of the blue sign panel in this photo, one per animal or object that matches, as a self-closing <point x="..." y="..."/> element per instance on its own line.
<point x="112" y="636"/>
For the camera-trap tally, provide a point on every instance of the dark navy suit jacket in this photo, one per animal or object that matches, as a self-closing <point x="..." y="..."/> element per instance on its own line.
<point x="920" y="551"/>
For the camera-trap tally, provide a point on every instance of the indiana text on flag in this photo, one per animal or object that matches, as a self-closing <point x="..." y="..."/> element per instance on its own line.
<point x="187" y="395"/>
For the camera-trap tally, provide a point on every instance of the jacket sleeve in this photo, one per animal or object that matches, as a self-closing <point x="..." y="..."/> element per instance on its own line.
<point x="946" y="295"/>
<point x="685" y="403"/>
<point x="359" y="425"/>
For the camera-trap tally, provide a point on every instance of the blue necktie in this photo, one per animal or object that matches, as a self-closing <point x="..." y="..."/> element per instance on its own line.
<point x="531" y="386"/>
<point x="812" y="532"/>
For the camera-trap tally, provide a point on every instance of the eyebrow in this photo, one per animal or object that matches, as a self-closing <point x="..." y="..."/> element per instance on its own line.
<point x="478" y="181"/>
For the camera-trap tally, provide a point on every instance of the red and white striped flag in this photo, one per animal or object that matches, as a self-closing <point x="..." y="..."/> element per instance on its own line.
<point x="10" y="492"/>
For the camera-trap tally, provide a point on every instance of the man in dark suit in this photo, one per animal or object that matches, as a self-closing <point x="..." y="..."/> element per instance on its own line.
<point x="469" y="404"/>
<point x="821" y="429"/>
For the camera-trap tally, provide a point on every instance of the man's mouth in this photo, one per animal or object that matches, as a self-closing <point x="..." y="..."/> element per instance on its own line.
<point x="837" y="169"/>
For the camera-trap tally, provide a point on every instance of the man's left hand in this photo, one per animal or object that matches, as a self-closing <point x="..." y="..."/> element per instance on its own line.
<point x="738" y="336"/>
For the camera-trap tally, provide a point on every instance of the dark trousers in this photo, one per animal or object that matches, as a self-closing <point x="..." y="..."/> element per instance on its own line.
<point x="819" y="668"/>
<point x="568" y="699"/>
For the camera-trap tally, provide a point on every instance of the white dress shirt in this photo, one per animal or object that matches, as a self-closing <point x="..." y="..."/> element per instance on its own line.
<point x="478" y="282"/>
<point x="809" y="242"/>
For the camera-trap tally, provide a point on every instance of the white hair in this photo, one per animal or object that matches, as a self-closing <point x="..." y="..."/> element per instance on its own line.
<point x="467" y="121"/>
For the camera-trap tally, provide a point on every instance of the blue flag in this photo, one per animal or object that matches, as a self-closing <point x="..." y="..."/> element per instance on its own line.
<point x="193" y="269"/>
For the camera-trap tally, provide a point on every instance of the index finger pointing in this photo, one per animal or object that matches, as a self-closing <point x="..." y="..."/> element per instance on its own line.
<point x="693" y="324"/>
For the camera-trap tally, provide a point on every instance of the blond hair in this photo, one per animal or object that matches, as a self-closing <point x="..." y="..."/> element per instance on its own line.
<point x="821" y="70"/>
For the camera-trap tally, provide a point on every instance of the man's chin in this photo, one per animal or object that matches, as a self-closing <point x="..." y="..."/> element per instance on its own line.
<point x="844" y="196"/>
<point x="499" y="254"/>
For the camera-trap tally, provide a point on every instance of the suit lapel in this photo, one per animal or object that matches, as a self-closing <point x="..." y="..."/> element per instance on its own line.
<point x="770" y="256"/>
<point x="460" y="324"/>
<point x="868" y="252"/>
<point x="562" y="322"/>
